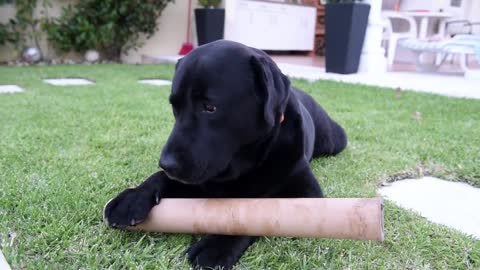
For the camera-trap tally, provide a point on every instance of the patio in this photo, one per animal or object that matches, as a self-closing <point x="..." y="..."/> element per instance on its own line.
<point x="448" y="82"/>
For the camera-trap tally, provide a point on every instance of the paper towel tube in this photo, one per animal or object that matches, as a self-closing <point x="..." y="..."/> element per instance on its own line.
<point x="339" y="218"/>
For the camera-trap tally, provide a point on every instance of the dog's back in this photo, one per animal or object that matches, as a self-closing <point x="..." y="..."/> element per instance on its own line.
<point x="330" y="138"/>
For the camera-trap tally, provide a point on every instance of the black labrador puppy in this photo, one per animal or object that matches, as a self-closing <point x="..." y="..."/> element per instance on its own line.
<point x="241" y="131"/>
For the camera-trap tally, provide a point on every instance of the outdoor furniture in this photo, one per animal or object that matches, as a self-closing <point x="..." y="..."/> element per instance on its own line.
<point x="460" y="46"/>
<point x="426" y="17"/>
<point x="393" y="36"/>
<point x="456" y="27"/>
<point x="413" y="29"/>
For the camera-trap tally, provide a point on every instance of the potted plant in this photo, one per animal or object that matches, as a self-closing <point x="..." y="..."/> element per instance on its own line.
<point x="210" y="21"/>
<point x="345" y="26"/>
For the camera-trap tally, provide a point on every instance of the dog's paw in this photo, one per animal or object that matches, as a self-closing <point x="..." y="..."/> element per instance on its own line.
<point x="214" y="252"/>
<point x="130" y="207"/>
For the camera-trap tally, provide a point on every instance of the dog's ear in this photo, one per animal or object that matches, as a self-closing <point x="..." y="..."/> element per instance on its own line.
<point x="178" y="63"/>
<point x="272" y="87"/>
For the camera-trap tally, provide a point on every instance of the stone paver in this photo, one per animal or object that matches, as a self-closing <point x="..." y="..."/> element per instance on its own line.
<point x="442" y="84"/>
<point x="68" y="81"/>
<point x="3" y="262"/>
<point x="10" y="89"/>
<point x="455" y="205"/>
<point x="156" y="82"/>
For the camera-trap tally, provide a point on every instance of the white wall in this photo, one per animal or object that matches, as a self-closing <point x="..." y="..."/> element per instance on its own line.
<point x="171" y="33"/>
<point x="474" y="14"/>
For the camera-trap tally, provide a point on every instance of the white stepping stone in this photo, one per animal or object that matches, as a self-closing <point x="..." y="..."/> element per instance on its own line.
<point x="68" y="81"/>
<point x="455" y="205"/>
<point x="156" y="82"/>
<point x="3" y="262"/>
<point x="10" y="89"/>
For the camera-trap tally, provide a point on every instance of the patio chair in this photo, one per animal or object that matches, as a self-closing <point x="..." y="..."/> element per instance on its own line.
<point x="460" y="46"/>
<point x="393" y="36"/>
<point x="456" y="27"/>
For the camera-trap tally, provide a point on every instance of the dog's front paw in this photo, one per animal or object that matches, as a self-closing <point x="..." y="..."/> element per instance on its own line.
<point x="130" y="207"/>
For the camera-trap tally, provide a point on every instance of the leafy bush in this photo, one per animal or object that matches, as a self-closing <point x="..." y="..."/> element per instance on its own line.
<point x="7" y="35"/>
<point x="110" y="26"/>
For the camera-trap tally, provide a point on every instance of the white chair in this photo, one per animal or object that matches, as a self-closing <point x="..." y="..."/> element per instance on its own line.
<point x="460" y="46"/>
<point x="394" y="36"/>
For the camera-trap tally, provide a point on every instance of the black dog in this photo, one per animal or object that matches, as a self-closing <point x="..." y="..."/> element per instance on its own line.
<point x="241" y="131"/>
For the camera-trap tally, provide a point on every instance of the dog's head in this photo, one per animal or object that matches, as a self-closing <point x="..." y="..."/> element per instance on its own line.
<point x="226" y="98"/>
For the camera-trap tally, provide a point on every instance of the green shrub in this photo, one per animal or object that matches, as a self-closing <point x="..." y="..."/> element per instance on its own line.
<point x="7" y="35"/>
<point x="110" y="26"/>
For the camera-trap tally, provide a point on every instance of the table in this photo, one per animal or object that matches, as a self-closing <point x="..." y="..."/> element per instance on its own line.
<point x="425" y="17"/>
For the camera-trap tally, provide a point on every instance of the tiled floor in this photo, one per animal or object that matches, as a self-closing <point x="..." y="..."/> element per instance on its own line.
<point x="448" y="81"/>
<point x="319" y="61"/>
<point x="442" y="84"/>
<point x="311" y="61"/>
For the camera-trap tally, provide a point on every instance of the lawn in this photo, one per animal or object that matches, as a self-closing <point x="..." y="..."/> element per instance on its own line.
<point x="65" y="151"/>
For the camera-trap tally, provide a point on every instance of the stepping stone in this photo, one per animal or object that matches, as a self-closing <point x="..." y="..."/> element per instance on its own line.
<point x="455" y="205"/>
<point x="3" y="262"/>
<point x="10" y="89"/>
<point x="68" y="81"/>
<point x="156" y="82"/>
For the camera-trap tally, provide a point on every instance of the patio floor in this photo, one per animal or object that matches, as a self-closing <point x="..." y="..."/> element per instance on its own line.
<point x="403" y="76"/>
<point x="442" y="84"/>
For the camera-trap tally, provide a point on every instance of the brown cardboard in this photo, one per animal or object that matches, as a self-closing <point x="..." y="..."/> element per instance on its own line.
<point x="340" y="218"/>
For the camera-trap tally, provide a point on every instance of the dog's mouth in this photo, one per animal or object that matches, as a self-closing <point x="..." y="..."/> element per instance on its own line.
<point x="173" y="177"/>
<point x="194" y="181"/>
<point x="203" y="177"/>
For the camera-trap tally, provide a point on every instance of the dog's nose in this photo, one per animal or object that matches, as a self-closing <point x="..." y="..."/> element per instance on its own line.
<point x="169" y="164"/>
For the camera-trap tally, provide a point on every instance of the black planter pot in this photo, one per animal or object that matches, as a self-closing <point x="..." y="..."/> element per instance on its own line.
<point x="345" y="26"/>
<point x="210" y="24"/>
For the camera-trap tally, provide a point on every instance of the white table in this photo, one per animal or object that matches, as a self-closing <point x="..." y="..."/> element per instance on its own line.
<point x="424" y="18"/>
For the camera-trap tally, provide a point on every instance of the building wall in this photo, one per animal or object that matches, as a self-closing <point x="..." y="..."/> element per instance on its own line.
<point x="474" y="14"/>
<point x="171" y="33"/>
<point x="6" y="13"/>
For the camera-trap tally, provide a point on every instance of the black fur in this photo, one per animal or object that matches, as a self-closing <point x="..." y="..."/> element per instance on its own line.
<point x="242" y="150"/>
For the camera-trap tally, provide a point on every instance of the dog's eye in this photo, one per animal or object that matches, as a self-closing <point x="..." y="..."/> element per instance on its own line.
<point x="209" y="108"/>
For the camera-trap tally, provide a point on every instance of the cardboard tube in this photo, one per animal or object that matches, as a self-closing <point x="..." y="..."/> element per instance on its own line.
<point x="345" y="218"/>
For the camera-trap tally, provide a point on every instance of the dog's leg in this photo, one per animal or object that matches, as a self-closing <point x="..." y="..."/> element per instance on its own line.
<point x="218" y="251"/>
<point x="223" y="251"/>
<point x="132" y="206"/>
<point x="302" y="183"/>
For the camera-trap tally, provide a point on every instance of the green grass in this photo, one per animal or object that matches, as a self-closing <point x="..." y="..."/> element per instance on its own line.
<point x="64" y="151"/>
